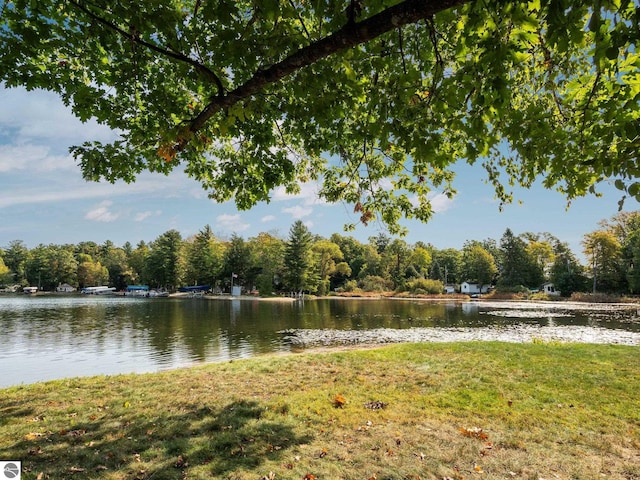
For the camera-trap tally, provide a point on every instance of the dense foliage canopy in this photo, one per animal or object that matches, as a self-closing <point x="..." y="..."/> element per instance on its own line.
<point x="376" y="99"/>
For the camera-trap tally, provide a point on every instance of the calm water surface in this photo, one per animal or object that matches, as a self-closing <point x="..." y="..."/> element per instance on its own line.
<point x="51" y="337"/>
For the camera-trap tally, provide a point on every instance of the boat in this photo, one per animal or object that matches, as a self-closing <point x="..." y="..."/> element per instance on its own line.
<point x="137" y="291"/>
<point x="30" y="290"/>
<point x="196" y="291"/>
<point x="104" y="290"/>
<point x="157" y="293"/>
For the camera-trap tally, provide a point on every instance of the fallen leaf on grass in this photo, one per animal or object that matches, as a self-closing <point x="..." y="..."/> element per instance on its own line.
<point x="76" y="470"/>
<point x="181" y="462"/>
<point x="487" y="447"/>
<point x="478" y="469"/>
<point x="37" y="450"/>
<point x="474" y="432"/>
<point x="309" y="476"/>
<point x="339" y="401"/>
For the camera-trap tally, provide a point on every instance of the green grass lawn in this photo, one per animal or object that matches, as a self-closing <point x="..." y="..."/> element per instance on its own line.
<point x="415" y="411"/>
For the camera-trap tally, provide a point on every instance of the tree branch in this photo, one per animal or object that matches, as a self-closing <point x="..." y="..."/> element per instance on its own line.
<point x="349" y="36"/>
<point x="199" y="67"/>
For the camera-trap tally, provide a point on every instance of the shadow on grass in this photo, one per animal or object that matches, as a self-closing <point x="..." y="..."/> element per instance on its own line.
<point x="215" y="441"/>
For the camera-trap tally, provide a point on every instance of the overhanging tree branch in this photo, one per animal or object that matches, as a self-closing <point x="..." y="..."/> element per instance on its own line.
<point x="349" y="36"/>
<point x="199" y="67"/>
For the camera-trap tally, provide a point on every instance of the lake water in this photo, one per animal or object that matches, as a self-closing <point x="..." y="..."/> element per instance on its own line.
<point x="51" y="337"/>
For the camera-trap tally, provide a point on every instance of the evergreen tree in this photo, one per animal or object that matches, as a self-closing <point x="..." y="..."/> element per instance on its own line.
<point x="15" y="258"/>
<point x="138" y="261"/>
<point x="204" y="258"/>
<point x="297" y="258"/>
<point x="47" y="266"/>
<point x="517" y="268"/>
<point x="164" y="266"/>
<point x="237" y="262"/>
<point x="566" y="272"/>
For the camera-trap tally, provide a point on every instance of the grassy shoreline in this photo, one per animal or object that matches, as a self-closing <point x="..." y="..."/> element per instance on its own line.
<point x="441" y="411"/>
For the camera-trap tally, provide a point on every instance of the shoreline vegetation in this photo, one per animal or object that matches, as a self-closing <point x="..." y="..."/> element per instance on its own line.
<point x="465" y="410"/>
<point x="596" y="298"/>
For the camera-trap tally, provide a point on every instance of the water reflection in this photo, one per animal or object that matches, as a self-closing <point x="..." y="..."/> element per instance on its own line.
<point x="54" y="337"/>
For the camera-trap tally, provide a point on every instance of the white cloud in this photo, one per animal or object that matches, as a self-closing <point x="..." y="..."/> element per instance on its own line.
<point x="298" y="211"/>
<point x="32" y="158"/>
<point x="268" y="218"/>
<point x="139" y="217"/>
<point x="69" y="188"/>
<point x="308" y="194"/>
<point x="439" y="202"/>
<point x="102" y="214"/>
<point x="42" y="115"/>
<point x="231" y="223"/>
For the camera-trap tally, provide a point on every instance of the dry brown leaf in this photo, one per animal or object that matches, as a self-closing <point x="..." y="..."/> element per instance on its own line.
<point x="181" y="462"/>
<point x="474" y="432"/>
<point x="339" y="401"/>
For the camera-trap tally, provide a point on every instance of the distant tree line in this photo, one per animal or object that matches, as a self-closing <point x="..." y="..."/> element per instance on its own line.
<point x="304" y="262"/>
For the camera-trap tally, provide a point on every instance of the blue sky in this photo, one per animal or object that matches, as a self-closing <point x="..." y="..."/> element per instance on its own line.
<point x="43" y="198"/>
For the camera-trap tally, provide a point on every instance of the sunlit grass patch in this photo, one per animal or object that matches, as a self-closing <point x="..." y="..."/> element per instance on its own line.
<point x="472" y="410"/>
